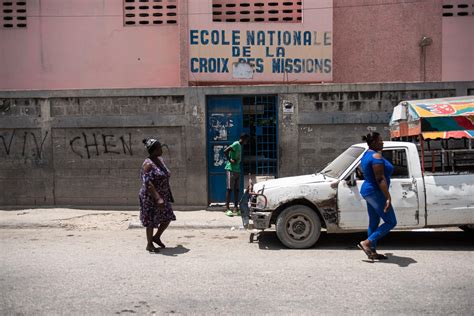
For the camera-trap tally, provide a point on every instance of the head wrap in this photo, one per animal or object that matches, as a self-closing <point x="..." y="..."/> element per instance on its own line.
<point x="150" y="144"/>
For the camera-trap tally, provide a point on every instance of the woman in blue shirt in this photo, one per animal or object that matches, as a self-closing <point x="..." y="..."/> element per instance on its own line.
<point x="377" y="172"/>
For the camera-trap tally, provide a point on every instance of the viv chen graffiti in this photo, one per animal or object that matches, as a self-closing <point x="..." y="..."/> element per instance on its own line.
<point x="32" y="144"/>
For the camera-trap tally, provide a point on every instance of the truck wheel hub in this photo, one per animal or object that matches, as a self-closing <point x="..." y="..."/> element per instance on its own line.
<point x="299" y="227"/>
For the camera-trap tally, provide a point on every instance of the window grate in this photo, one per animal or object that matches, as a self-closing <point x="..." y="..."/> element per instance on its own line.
<point x="13" y="14"/>
<point x="150" y="12"/>
<point x="276" y="11"/>
<point x="455" y="8"/>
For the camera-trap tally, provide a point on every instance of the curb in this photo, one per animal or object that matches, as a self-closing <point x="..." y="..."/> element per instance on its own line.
<point x="138" y="225"/>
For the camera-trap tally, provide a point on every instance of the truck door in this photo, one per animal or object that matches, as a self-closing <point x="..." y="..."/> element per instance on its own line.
<point x="403" y="189"/>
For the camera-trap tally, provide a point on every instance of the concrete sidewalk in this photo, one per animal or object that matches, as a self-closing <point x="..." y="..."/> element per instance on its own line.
<point x="84" y="219"/>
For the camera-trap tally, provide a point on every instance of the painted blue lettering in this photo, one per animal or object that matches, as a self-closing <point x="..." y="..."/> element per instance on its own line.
<point x="215" y="37"/>
<point x="276" y="65"/>
<point x="318" y="65"/>
<point x="297" y="65"/>
<point x="202" y="65"/>
<point x="289" y="65"/>
<point x="280" y="52"/>
<point x="287" y="38"/>
<point x="193" y="62"/>
<point x="327" y="38"/>
<point x="260" y="38"/>
<point x="267" y="52"/>
<point x="225" y="65"/>
<point x="309" y="65"/>
<point x="235" y="37"/>
<point x="250" y="38"/>
<point x="259" y="66"/>
<point x="307" y="38"/>
<point x="224" y="41"/>
<point x="246" y="51"/>
<point x="212" y="65"/>
<point x="204" y="39"/>
<point x="235" y="51"/>
<point x="328" y="65"/>
<point x="316" y="43"/>
<point x="297" y="38"/>
<point x="194" y="36"/>
<point x="270" y="34"/>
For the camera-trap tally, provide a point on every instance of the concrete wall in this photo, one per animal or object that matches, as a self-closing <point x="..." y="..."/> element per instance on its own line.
<point x="83" y="147"/>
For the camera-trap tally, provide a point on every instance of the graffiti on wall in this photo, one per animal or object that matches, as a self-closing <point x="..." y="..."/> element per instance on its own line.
<point x="30" y="144"/>
<point x="87" y="145"/>
<point x="27" y="143"/>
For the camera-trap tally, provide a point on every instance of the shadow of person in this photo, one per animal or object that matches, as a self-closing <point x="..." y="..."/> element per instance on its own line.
<point x="173" y="251"/>
<point x="401" y="261"/>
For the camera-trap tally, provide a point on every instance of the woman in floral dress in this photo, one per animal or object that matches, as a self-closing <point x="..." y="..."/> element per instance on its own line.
<point x="155" y="195"/>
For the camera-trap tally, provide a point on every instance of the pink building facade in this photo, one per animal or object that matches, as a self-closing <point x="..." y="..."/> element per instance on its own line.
<point x="97" y="44"/>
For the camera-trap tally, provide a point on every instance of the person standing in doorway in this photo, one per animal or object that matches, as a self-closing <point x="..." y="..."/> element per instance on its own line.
<point x="233" y="154"/>
<point x="155" y="195"/>
<point x="375" y="190"/>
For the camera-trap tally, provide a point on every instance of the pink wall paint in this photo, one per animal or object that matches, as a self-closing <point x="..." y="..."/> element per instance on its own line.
<point x="458" y="48"/>
<point x="317" y="16"/>
<point x="377" y="40"/>
<point x="72" y="44"/>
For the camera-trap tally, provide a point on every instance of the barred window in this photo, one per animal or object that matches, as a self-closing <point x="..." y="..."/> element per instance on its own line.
<point x="454" y="8"/>
<point x="150" y="12"/>
<point x="275" y="11"/>
<point x="13" y="14"/>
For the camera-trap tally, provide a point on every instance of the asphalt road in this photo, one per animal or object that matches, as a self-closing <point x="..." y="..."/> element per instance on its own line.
<point x="216" y="271"/>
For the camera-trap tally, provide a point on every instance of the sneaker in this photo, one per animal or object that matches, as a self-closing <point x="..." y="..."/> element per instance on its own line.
<point x="237" y="213"/>
<point x="229" y="213"/>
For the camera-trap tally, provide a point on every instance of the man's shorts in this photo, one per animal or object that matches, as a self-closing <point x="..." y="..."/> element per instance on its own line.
<point x="233" y="178"/>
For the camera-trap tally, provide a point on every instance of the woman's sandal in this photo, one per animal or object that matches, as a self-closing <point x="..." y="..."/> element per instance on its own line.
<point x="379" y="256"/>
<point x="158" y="242"/>
<point x="152" y="249"/>
<point x="367" y="251"/>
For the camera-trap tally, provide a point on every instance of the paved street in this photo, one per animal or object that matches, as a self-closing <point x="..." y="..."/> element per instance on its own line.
<point x="87" y="270"/>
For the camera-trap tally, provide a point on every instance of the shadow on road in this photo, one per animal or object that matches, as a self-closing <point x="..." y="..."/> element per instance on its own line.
<point x="392" y="259"/>
<point x="173" y="251"/>
<point x="409" y="240"/>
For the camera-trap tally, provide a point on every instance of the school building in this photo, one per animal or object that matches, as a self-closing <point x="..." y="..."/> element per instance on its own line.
<point x="82" y="82"/>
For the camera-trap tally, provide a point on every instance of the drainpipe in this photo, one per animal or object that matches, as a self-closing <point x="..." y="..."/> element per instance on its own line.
<point x="424" y="42"/>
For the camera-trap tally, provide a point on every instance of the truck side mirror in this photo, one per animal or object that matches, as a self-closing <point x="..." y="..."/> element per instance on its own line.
<point x="351" y="180"/>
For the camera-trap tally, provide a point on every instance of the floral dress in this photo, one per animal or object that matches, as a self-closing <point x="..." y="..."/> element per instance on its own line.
<point x="150" y="215"/>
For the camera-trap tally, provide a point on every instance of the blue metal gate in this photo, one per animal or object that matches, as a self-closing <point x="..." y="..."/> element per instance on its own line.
<point x="261" y="121"/>
<point x="224" y="126"/>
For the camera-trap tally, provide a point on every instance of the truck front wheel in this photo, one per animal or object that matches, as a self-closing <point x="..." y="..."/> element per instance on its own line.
<point x="298" y="226"/>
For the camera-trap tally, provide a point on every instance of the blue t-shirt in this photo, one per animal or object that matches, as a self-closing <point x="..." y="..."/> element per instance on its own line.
<point x="370" y="184"/>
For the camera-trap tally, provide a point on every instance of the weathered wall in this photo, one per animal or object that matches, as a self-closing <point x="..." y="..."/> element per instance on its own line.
<point x="83" y="147"/>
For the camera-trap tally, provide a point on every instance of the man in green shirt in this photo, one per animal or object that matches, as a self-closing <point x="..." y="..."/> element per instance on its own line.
<point x="232" y="170"/>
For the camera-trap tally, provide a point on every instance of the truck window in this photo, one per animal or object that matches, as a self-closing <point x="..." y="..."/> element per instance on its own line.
<point x="398" y="158"/>
<point x="337" y="167"/>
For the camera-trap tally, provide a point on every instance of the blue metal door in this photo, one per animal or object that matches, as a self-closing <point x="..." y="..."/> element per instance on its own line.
<point x="224" y="126"/>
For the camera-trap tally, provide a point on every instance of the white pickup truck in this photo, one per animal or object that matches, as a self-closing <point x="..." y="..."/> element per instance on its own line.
<point x="441" y="195"/>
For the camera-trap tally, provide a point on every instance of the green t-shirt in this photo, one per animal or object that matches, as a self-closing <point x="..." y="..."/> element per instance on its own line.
<point x="234" y="154"/>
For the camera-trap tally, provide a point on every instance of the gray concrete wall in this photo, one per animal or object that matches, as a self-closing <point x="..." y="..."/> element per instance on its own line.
<point x="83" y="147"/>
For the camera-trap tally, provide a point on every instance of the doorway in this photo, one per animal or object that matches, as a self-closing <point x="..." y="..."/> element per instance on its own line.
<point x="227" y="118"/>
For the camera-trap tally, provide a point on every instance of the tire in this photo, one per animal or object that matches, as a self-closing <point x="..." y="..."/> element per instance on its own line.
<point x="298" y="227"/>
<point x="468" y="228"/>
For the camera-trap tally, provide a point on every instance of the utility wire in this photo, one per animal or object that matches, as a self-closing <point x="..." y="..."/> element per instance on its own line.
<point x="211" y="13"/>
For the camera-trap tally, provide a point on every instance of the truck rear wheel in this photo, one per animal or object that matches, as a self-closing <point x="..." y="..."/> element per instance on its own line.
<point x="298" y="226"/>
